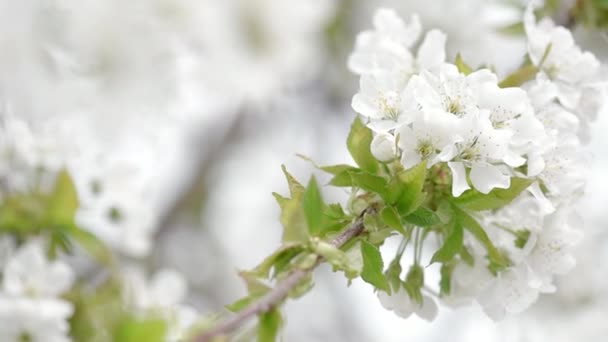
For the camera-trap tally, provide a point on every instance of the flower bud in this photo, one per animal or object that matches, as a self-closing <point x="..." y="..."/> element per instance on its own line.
<point x="383" y="147"/>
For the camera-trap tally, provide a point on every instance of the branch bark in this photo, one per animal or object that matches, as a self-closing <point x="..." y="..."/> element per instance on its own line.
<point x="279" y="292"/>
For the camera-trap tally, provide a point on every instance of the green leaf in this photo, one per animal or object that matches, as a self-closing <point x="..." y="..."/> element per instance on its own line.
<point x="268" y="326"/>
<point x="405" y="189"/>
<point x="369" y="182"/>
<point x="305" y="261"/>
<point x="522" y="237"/>
<point x="59" y="239"/>
<point x="343" y="179"/>
<point x="358" y="142"/>
<point x="63" y="200"/>
<point x="293" y="221"/>
<point x="313" y="207"/>
<point x="149" y="330"/>
<point x="254" y="285"/>
<point x="242" y="303"/>
<point x="278" y="260"/>
<point x="391" y="218"/>
<point x="451" y="246"/>
<point x="92" y="245"/>
<point x="373" y="266"/>
<point x="295" y="228"/>
<point x="332" y="254"/>
<point x="372" y="223"/>
<point x="466" y="256"/>
<point x="302" y="287"/>
<point x="446" y="278"/>
<point x="295" y="188"/>
<point x="334" y="211"/>
<point x="355" y="261"/>
<point x="414" y="281"/>
<point x="341" y="174"/>
<point x="338" y="258"/>
<point x="473" y="227"/>
<point x="378" y="237"/>
<point x="338" y="169"/>
<point x="423" y="217"/>
<point x="601" y="3"/>
<point x="519" y="77"/>
<point x="393" y="274"/>
<point x="462" y="66"/>
<point x="515" y="29"/>
<point x="334" y="219"/>
<point x="497" y="198"/>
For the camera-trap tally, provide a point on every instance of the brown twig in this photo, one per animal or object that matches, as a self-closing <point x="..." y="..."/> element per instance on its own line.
<point x="275" y="296"/>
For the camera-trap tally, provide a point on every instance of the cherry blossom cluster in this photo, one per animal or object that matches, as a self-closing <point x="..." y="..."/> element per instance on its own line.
<point x="31" y="283"/>
<point x="485" y="132"/>
<point x="31" y="307"/>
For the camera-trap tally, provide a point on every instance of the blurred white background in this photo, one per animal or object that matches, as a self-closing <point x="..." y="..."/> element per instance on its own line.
<point x="183" y="111"/>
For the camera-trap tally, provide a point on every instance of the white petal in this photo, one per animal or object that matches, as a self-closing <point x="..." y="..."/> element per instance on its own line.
<point x="410" y="159"/>
<point x="383" y="147"/>
<point x="60" y="278"/>
<point x="459" y="178"/>
<point x="363" y="106"/>
<point x="447" y="153"/>
<point x="514" y="160"/>
<point x="431" y="53"/>
<point x="429" y="309"/>
<point x="361" y="61"/>
<point x="545" y="205"/>
<point x="486" y="178"/>
<point x="536" y="164"/>
<point x="518" y="296"/>
<point x="168" y="288"/>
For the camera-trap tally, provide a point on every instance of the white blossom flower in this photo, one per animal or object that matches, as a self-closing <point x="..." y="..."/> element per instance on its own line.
<point x="562" y="60"/>
<point x="114" y="206"/>
<point x="564" y="173"/>
<point x="486" y="135"/>
<point x="403" y="306"/>
<point x="543" y="93"/>
<point x="449" y="91"/>
<point x="162" y="294"/>
<point x="385" y="62"/>
<point x="382" y="99"/>
<point x="467" y="281"/>
<point x="29" y="304"/>
<point x="428" y="138"/>
<point x="552" y="253"/>
<point x="576" y="74"/>
<point x="509" y="293"/>
<point x="481" y="150"/>
<point x="470" y="123"/>
<point x="35" y="320"/>
<point x="29" y="273"/>
<point x="387" y="46"/>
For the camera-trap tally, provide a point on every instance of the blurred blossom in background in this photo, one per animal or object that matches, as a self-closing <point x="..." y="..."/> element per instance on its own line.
<point x="173" y="118"/>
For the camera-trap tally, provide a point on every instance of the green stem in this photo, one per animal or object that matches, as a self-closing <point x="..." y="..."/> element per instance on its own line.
<point x="280" y="292"/>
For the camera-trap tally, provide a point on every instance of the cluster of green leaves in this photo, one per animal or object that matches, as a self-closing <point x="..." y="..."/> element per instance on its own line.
<point x="412" y="201"/>
<point x="307" y="222"/>
<point x="50" y="214"/>
<point x="389" y="201"/>
<point x="101" y="315"/>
